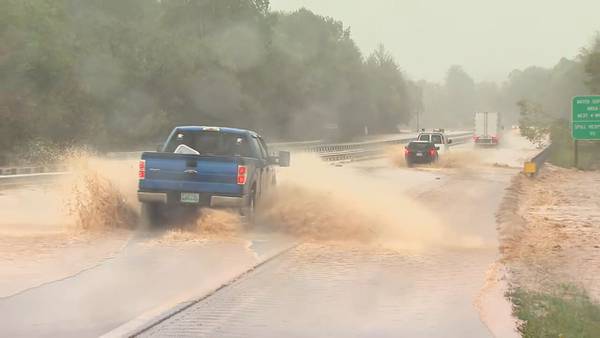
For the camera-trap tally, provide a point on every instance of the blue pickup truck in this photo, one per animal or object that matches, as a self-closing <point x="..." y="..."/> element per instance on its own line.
<point x="207" y="167"/>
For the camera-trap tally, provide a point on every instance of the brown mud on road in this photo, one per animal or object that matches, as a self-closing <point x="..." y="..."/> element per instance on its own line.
<point x="201" y="227"/>
<point x="465" y="159"/>
<point x="512" y="151"/>
<point x="318" y="202"/>
<point x="343" y="289"/>
<point x="550" y="230"/>
<point x="53" y="231"/>
<point x="32" y="260"/>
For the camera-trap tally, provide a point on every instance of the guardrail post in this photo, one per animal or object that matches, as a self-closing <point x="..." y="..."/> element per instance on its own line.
<point x="530" y="169"/>
<point x="576" y="156"/>
<point x="533" y="166"/>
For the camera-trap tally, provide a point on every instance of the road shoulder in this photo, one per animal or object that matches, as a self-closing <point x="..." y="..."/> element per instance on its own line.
<point x="549" y="229"/>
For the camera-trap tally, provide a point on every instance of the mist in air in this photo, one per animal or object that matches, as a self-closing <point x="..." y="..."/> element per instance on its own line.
<point x="119" y="75"/>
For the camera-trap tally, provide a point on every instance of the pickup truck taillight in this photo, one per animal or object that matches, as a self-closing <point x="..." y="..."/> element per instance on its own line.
<point x="406" y="151"/>
<point x="432" y="152"/>
<point x="242" y="174"/>
<point x="142" y="170"/>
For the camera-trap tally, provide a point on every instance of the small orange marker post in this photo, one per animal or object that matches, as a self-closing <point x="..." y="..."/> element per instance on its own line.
<point x="530" y="168"/>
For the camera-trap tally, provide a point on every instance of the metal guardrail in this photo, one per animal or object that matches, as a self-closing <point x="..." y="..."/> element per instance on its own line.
<point x="333" y="152"/>
<point x="295" y="145"/>
<point x="373" y="149"/>
<point x="365" y="150"/>
<point x="533" y="166"/>
<point x="31" y="170"/>
<point x="16" y="180"/>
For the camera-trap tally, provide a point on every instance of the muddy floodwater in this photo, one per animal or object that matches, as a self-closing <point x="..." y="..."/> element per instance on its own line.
<point x="375" y="249"/>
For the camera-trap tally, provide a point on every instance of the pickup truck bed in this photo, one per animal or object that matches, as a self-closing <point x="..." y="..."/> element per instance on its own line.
<point x="169" y="175"/>
<point x="233" y="170"/>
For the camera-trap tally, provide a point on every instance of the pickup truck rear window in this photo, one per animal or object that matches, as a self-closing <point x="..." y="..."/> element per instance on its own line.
<point x="433" y="138"/>
<point x="424" y="137"/>
<point x="437" y="139"/>
<point x="211" y="143"/>
<point x="420" y="146"/>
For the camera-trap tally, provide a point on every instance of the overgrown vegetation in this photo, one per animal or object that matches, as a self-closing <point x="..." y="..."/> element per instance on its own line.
<point x="534" y="123"/>
<point x="113" y="73"/>
<point x="541" y="120"/>
<point x="541" y="129"/>
<point x="563" y="147"/>
<point x="118" y="73"/>
<point x="567" y="312"/>
<point x="550" y="90"/>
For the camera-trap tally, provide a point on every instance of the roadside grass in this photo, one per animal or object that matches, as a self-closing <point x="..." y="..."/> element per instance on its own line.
<point x="566" y="312"/>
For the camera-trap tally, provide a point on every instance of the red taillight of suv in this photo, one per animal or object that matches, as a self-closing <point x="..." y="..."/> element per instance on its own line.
<point x="432" y="152"/>
<point x="142" y="170"/>
<point x="406" y="151"/>
<point x="242" y="174"/>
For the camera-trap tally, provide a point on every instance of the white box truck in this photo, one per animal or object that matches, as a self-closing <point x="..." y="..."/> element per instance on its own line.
<point x="487" y="129"/>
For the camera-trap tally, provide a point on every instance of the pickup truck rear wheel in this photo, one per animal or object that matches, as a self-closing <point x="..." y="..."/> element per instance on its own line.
<point x="249" y="211"/>
<point x="150" y="215"/>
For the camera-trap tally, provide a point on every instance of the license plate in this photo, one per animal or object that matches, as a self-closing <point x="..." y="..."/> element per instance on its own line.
<point x="419" y="154"/>
<point x="189" y="197"/>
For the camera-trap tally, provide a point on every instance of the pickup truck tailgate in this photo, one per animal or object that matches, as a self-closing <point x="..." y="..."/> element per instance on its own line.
<point x="190" y="173"/>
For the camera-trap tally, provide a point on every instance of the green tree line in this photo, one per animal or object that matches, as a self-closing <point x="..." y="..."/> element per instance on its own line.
<point x="116" y="73"/>
<point x="547" y="89"/>
<point x="545" y="111"/>
<point x="537" y="99"/>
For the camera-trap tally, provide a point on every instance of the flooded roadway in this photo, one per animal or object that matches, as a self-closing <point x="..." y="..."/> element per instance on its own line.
<point x="317" y="289"/>
<point x="141" y="277"/>
<point x="349" y="290"/>
<point x="333" y="291"/>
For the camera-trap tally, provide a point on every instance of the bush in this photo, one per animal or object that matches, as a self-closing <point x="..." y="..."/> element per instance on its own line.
<point x="567" y="312"/>
<point x="563" y="150"/>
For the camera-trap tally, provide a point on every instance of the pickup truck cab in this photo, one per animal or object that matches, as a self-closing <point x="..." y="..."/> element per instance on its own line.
<point x="207" y="167"/>
<point x="437" y="137"/>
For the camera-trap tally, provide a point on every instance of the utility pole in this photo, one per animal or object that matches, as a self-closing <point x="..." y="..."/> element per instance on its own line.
<point x="418" y="114"/>
<point x="420" y="106"/>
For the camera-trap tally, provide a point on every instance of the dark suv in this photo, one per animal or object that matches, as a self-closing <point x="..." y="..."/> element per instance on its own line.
<point x="420" y="152"/>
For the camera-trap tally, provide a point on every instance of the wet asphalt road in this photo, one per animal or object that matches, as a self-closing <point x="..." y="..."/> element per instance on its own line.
<point x="315" y="290"/>
<point x="342" y="290"/>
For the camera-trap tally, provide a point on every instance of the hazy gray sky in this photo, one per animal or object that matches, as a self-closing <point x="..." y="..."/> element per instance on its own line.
<point x="488" y="38"/>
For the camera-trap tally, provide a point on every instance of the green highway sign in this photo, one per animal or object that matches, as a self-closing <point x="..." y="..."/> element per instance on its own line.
<point x="586" y="118"/>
